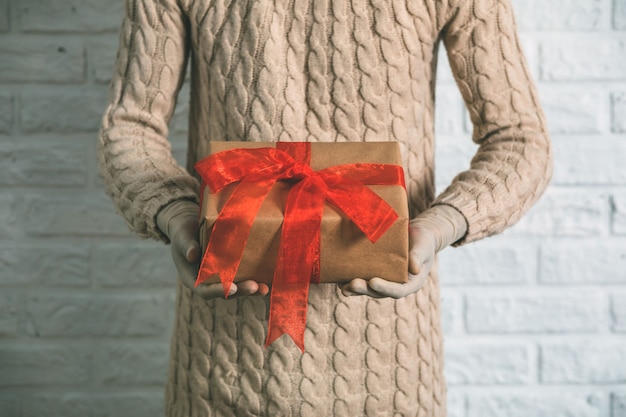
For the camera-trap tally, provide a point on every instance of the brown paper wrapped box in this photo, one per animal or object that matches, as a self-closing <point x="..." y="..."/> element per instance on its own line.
<point x="346" y="253"/>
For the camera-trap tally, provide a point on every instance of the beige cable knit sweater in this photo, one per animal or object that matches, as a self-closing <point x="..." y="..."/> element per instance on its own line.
<point x="319" y="70"/>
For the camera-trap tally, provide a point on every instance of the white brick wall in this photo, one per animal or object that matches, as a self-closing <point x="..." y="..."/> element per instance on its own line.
<point x="535" y="319"/>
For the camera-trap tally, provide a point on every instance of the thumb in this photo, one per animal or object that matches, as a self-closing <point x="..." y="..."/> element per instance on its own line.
<point x="414" y="265"/>
<point x="421" y="261"/>
<point x="189" y="248"/>
<point x="423" y="248"/>
<point x="419" y="257"/>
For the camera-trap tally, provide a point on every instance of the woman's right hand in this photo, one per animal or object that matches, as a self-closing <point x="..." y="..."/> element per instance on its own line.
<point x="179" y="222"/>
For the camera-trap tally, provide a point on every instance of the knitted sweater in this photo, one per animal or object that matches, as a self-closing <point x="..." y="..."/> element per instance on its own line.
<point x="319" y="70"/>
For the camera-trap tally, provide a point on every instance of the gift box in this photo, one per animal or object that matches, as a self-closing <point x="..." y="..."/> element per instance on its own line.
<point x="347" y="215"/>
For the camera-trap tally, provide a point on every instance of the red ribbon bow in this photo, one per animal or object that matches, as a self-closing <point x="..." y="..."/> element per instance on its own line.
<point x="298" y="263"/>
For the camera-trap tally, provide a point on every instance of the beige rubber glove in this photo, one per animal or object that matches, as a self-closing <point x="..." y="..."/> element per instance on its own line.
<point x="179" y="222"/>
<point x="430" y="232"/>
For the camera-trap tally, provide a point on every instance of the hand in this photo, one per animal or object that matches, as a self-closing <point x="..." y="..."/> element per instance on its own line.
<point x="179" y="222"/>
<point x="429" y="233"/>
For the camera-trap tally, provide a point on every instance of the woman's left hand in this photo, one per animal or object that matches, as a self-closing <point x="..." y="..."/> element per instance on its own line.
<point x="429" y="233"/>
<point x="421" y="257"/>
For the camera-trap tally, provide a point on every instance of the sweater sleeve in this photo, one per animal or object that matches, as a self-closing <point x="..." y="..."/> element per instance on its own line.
<point x="513" y="163"/>
<point x="134" y="154"/>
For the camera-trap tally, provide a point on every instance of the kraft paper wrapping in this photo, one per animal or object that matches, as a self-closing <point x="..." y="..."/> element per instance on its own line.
<point x="345" y="251"/>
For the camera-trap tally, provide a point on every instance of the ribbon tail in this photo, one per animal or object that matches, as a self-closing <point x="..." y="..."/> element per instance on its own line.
<point x="297" y="261"/>
<point x="290" y="322"/>
<point x="231" y="231"/>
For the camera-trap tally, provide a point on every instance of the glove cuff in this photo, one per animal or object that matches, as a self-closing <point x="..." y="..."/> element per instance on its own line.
<point x="446" y="223"/>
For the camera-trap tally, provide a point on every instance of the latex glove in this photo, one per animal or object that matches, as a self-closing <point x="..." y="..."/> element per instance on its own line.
<point x="430" y="232"/>
<point x="179" y="222"/>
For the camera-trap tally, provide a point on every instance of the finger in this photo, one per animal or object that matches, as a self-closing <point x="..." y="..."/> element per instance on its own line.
<point x="210" y="291"/>
<point x="420" y="259"/>
<point x="192" y="252"/>
<point x="359" y="286"/>
<point x="417" y="281"/>
<point x="185" y="239"/>
<point x="188" y="271"/>
<point x="189" y="248"/>
<point x="352" y="287"/>
<point x="425" y="265"/>
<point x="419" y="255"/>
<point x="264" y="289"/>
<point x="422" y="249"/>
<point x="250" y="288"/>
<point x="389" y="289"/>
<point x="414" y="265"/>
<point x="241" y="289"/>
<point x="346" y="291"/>
<point x="247" y="287"/>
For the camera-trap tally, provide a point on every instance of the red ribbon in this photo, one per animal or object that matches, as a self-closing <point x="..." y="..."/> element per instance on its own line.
<point x="298" y="263"/>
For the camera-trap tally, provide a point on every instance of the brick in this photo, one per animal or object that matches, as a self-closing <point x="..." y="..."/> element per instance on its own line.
<point x="562" y="15"/>
<point x="530" y="48"/>
<point x="535" y="313"/>
<point x="493" y="261"/>
<point x="55" y="264"/>
<point x="41" y="60"/>
<point x="63" y="111"/>
<point x="581" y="212"/>
<point x="618" y="311"/>
<point x="583" y="362"/>
<point x="9" y="315"/>
<point x="448" y="110"/>
<point x="178" y="151"/>
<point x="46" y="163"/>
<point x="619" y="112"/>
<point x="101" y="54"/>
<point x="444" y="73"/>
<point x="9" y="405"/>
<point x="128" y="364"/>
<point x="132" y="265"/>
<point x="577" y="161"/>
<point x="618" y="405"/>
<point x="618" y="214"/>
<point x="97" y="180"/>
<point x="453" y="155"/>
<point x="94" y="405"/>
<point x="469" y="125"/>
<point x="579" y="112"/>
<point x="71" y="214"/>
<point x="580" y="58"/>
<point x="9" y="224"/>
<point x="591" y="261"/>
<point x="179" y="124"/>
<point x="98" y="315"/>
<point x="36" y="364"/>
<point x="70" y="15"/>
<point x="451" y="312"/>
<point x="6" y="113"/>
<point x="476" y="364"/>
<point x="455" y="403"/>
<point x="619" y="14"/>
<point x="537" y="404"/>
<point x="4" y="16"/>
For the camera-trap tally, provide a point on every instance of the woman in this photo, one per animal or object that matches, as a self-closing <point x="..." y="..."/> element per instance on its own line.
<point x="319" y="70"/>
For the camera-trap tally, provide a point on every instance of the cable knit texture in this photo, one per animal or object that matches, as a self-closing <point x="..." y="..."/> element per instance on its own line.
<point x="319" y="70"/>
